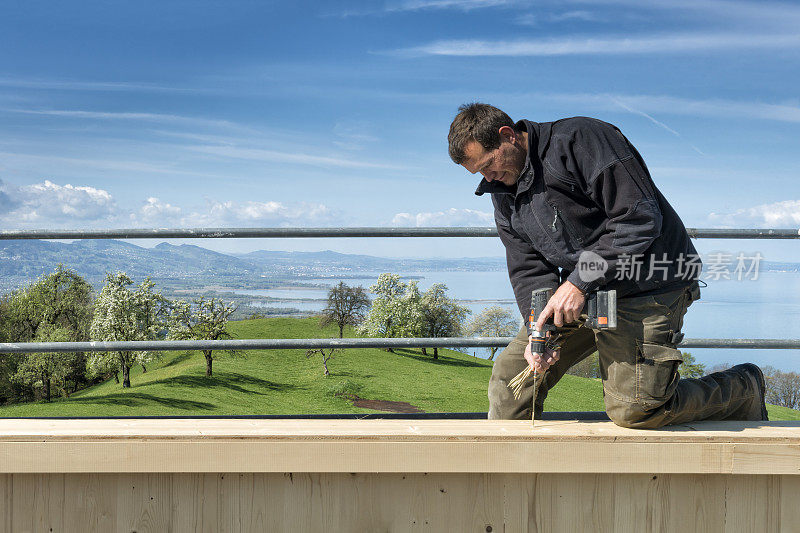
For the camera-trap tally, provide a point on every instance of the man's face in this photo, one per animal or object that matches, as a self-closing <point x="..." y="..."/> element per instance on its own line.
<point x="503" y="164"/>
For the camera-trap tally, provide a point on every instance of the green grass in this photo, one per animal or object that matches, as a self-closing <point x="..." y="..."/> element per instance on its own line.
<point x="287" y="382"/>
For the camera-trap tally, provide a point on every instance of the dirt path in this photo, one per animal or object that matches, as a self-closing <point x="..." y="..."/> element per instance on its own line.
<point x="386" y="405"/>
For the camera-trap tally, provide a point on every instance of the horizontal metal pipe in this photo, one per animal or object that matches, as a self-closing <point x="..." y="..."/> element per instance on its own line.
<point x="275" y="233"/>
<point x="289" y="344"/>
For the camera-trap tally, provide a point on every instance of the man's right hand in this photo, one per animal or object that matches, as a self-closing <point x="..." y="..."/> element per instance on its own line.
<point x="541" y="362"/>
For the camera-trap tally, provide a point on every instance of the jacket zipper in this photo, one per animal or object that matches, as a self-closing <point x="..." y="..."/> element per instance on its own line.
<point x="556" y="217"/>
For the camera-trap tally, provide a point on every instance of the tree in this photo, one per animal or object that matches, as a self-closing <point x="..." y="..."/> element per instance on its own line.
<point x="346" y="306"/>
<point x="56" y="307"/>
<point x="783" y="388"/>
<point x="493" y="321"/>
<point x="588" y="367"/>
<point x="208" y="321"/>
<point x="327" y="354"/>
<point x="396" y="310"/>
<point x="124" y="315"/>
<point x="46" y="367"/>
<point x="690" y="368"/>
<point x="441" y="316"/>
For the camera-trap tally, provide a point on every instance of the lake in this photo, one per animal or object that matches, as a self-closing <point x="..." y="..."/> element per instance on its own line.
<point x="764" y="308"/>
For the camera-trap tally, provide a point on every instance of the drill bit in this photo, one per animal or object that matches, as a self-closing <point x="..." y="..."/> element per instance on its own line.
<point x="517" y="383"/>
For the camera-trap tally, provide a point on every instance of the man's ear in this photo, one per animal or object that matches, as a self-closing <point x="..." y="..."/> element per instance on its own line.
<point x="508" y="133"/>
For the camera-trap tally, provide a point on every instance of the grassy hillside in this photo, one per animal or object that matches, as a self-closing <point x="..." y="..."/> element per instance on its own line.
<point x="288" y="382"/>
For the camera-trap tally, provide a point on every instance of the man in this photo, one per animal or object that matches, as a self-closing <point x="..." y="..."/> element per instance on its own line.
<point x="577" y="210"/>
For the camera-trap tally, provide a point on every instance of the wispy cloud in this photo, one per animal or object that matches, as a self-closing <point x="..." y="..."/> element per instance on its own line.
<point x="82" y="85"/>
<point x="577" y="45"/>
<point x="778" y="214"/>
<point x="353" y="135"/>
<point x="448" y="217"/>
<point x="463" y="5"/>
<point x="672" y="105"/>
<point x="139" y="117"/>
<point x="654" y="121"/>
<point x="754" y="14"/>
<point x="114" y="165"/>
<point x="274" y="156"/>
<point x="404" y="6"/>
<point x="539" y="18"/>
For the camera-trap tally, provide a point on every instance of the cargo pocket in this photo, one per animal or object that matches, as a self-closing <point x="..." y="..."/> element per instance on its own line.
<point x="656" y="374"/>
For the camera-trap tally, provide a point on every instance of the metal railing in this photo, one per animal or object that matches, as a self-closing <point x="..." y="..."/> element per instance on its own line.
<point x="295" y="233"/>
<point x="356" y="232"/>
<point x="339" y="232"/>
<point x="372" y="342"/>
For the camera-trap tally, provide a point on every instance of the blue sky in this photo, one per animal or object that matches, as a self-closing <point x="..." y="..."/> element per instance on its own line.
<point x="246" y="113"/>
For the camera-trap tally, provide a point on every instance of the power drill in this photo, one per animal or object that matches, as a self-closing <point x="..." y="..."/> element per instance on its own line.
<point x="601" y="312"/>
<point x="600" y="308"/>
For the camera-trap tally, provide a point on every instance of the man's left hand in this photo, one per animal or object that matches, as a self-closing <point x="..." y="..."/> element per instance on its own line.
<point x="564" y="306"/>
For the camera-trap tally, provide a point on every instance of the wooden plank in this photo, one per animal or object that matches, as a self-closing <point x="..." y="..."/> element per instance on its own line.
<point x="404" y="456"/>
<point x="6" y="504"/>
<point x="412" y="502"/>
<point x="144" y="502"/>
<point x="393" y="430"/>
<point x="789" y="508"/>
<point x="753" y="503"/>
<point x="91" y="501"/>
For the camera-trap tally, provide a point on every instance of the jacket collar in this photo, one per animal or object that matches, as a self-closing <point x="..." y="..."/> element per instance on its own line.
<point x="538" y="140"/>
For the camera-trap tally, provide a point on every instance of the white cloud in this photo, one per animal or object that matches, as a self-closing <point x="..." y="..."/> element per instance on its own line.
<point x="47" y="202"/>
<point x="449" y="217"/>
<point x="604" y="46"/>
<point x="775" y="215"/>
<point x="156" y="211"/>
<point x="228" y="213"/>
<point x="53" y="206"/>
<point x="259" y="214"/>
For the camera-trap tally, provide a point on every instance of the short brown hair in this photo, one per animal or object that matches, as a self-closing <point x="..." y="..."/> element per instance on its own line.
<point x="476" y="122"/>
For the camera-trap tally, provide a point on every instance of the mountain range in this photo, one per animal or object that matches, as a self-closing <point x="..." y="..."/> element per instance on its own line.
<point x="21" y="261"/>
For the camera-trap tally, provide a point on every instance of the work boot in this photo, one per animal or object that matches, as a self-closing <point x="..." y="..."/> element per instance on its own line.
<point x="753" y="408"/>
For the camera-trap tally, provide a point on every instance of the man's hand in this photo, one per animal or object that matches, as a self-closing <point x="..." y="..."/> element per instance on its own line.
<point x="564" y="306"/>
<point x="541" y="362"/>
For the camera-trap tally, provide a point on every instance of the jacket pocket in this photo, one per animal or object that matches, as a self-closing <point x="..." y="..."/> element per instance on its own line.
<point x="656" y="374"/>
<point x="640" y="225"/>
<point x="563" y="230"/>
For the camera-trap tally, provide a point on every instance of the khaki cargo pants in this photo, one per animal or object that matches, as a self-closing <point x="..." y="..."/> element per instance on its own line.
<point x="638" y="365"/>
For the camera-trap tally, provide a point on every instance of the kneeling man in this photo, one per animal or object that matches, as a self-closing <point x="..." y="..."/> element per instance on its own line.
<point x="572" y="192"/>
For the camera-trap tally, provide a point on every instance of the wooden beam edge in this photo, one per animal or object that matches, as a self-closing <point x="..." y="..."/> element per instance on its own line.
<point x="397" y="457"/>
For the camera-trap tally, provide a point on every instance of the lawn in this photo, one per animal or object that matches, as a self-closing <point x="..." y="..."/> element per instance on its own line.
<point x="259" y="382"/>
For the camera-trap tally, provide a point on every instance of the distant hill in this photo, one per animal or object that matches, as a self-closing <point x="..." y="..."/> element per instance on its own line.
<point x="276" y="261"/>
<point x="24" y="260"/>
<point x="188" y="265"/>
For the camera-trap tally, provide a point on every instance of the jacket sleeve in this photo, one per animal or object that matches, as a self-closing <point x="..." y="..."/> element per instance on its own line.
<point x="622" y="187"/>
<point x="527" y="268"/>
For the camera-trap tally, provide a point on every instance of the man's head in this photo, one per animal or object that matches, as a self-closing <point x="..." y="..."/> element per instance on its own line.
<point x="483" y="139"/>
